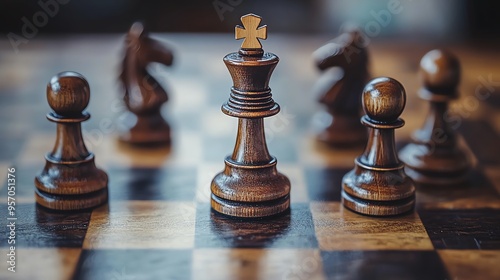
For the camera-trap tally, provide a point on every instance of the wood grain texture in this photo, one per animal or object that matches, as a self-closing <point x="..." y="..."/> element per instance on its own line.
<point x="70" y="179"/>
<point x="250" y="185"/>
<point x="339" y="229"/>
<point x="39" y="227"/>
<point x="134" y="264"/>
<point x="469" y="264"/>
<point x="463" y="229"/>
<point x="292" y="229"/>
<point x="62" y="263"/>
<point x="168" y="225"/>
<point x="378" y="185"/>
<point x="341" y="92"/>
<point x="257" y="264"/>
<point x="434" y="157"/>
<point x="413" y="265"/>
<point x="172" y="176"/>
<point x="251" y="32"/>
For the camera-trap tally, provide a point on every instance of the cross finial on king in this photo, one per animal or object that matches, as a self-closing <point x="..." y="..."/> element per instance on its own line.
<point x="251" y="32"/>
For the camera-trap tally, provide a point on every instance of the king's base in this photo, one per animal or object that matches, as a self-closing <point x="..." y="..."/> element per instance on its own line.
<point x="378" y="208"/>
<point x="251" y="191"/>
<point x="71" y="202"/>
<point x="144" y="130"/>
<point x="248" y="209"/>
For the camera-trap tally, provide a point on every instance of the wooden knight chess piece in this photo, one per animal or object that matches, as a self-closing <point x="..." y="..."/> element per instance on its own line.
<point x="378" y="185"/>
<point x="250" y="185"/>
<point x="144" y="96"/>
<point x="70" y="179"/>
<point x="434" y="158"/>
<point x="343" y="97"/>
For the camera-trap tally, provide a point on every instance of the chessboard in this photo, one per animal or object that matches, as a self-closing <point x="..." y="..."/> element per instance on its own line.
<point x="158" y="223"/>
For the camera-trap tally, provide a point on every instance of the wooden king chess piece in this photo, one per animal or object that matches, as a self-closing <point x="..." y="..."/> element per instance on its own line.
<point x="250" y="185"/>
<point x="434" y="158"/>
<point x="378" y="185"/>
<point x="70" y="179"/>
<point x="343" y="96"/>
<point x="144" y="96"/>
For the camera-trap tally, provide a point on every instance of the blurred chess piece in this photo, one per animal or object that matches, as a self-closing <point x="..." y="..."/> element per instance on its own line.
<point x="143" y="96"/>
<point x="433" y="157"/>
<point x="343" y="88"/>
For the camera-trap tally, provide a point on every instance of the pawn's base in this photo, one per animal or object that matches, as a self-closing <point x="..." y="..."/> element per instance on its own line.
<point x="436" y="167"/>
<point x="378" y="191"/>
<point x="249" y="209"/>
<point x="377" y="208"/>
<point x="145" y="130"/>
<point x="344" y="131"/>
<point x="71" y="202"/>
<point x="76" y="185"/>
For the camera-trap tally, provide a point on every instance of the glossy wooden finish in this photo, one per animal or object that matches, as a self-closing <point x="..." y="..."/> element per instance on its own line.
<point x="158" y="222"/>
<point x="378" y="185"/>
<point x="143" y="95"/>
<point x="251" y="32"/>
<point x="250" y="185"/>
<point x="343" y="89"/>
<point x="434" y="157"/>
<point x="70" y="179"/>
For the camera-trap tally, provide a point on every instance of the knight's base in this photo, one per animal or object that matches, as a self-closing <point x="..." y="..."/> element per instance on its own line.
<point x="145" y="130"/>
<point x="344" y="131"/>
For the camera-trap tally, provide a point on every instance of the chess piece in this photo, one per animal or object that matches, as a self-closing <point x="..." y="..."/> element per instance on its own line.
<point x="378" y="185"/>
<point x="250" y="185"/>
<point x="343" y="96"/>
<point x="70" y="179"/>
<point x="144" y="96"/>
<point x="434" y="158"/>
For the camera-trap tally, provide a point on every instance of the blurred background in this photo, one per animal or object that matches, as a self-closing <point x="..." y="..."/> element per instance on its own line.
<point x="462" y="20"/>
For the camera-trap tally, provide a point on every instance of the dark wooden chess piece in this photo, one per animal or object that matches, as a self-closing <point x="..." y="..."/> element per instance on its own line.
<point x="250" y="185"/>
<point x="343" y="97"/>
<point x="378" y="185"/>
<point x="434" y="158"/>
<point x="144" y="96"/>
<point x="70" y="179"/>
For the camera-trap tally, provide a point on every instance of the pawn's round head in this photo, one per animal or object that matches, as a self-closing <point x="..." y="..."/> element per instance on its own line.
<point x="68" y="94"/>
<point x="384" y="99"/>
<point x="440" y="69"/>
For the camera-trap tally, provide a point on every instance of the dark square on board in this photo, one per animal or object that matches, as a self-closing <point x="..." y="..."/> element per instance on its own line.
<point x="294" y="229"/>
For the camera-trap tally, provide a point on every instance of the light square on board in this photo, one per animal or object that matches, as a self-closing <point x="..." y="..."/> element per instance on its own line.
<point x="471" y="264"/>
<point x="43" y="263"/>
<point x="142" y="224"/>
<point x="340" y="229"/>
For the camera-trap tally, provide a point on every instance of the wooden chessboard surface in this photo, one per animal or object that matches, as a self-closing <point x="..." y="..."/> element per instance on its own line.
<point x="158" y="223"/>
